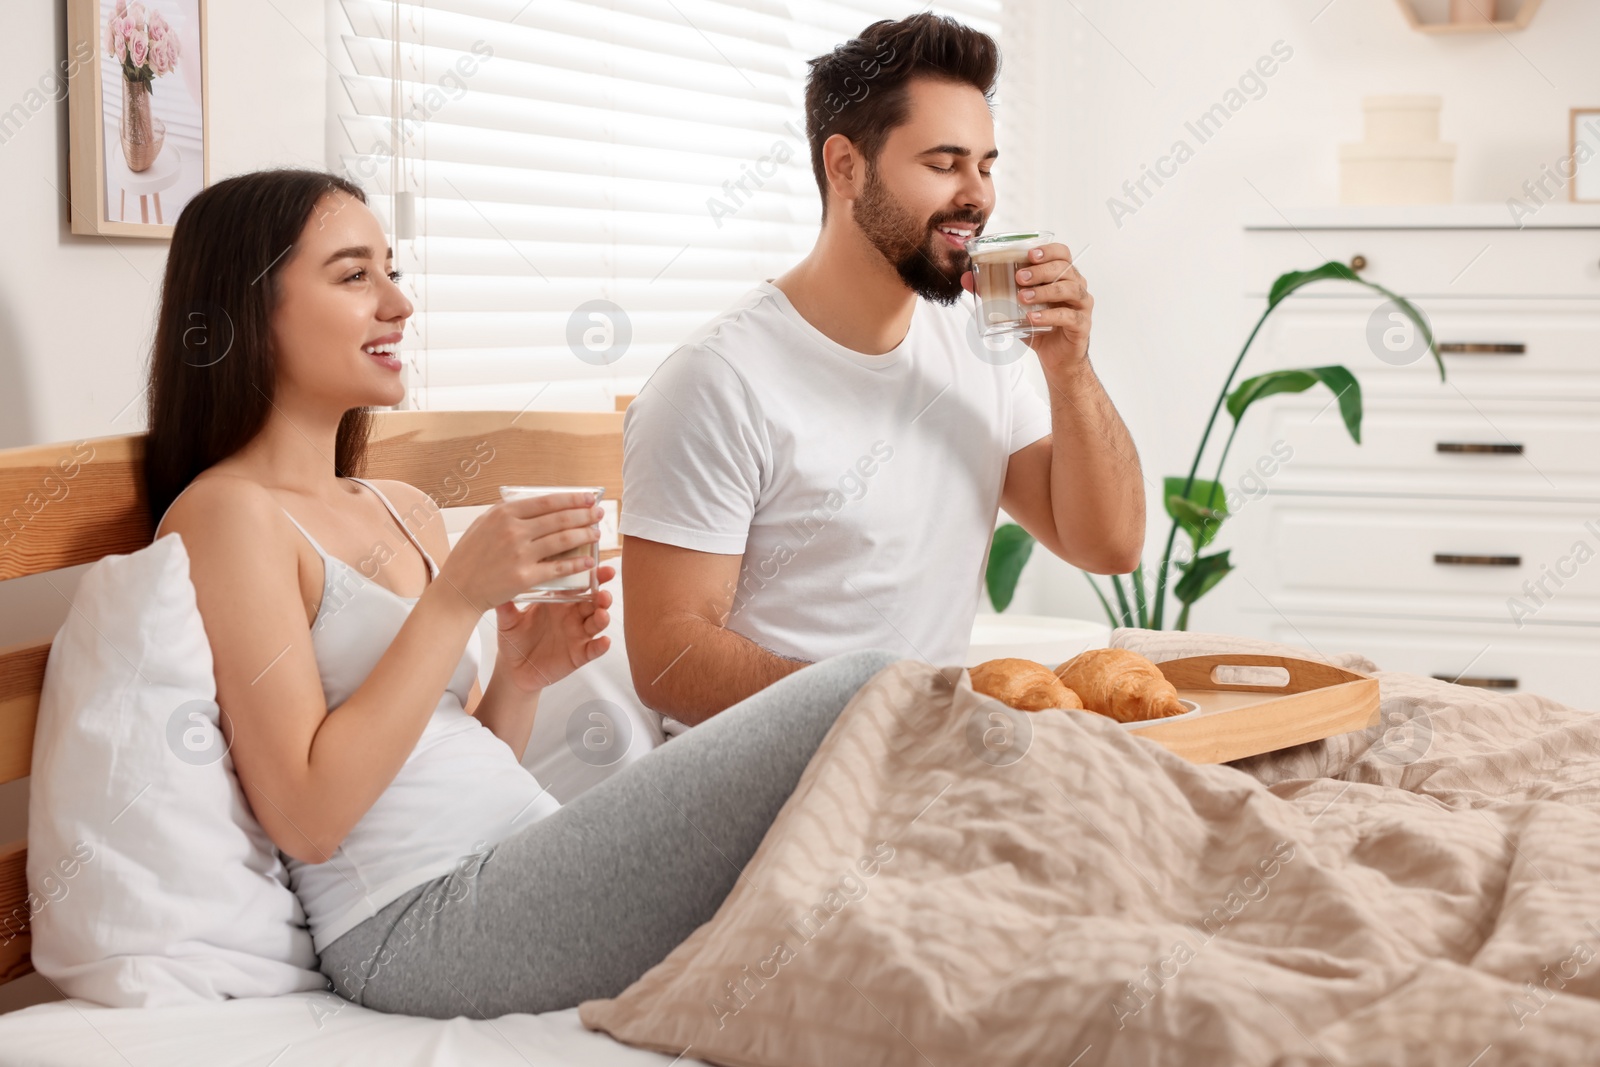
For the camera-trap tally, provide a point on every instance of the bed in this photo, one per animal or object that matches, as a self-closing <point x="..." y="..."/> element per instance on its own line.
<point x="1426" y="890"/>
<point x="302" y="1029"/>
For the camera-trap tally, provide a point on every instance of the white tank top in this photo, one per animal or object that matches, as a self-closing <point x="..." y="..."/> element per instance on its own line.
<point x="461" y="788"/>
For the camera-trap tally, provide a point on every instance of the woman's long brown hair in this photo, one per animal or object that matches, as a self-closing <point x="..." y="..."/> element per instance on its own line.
<point x="212" y="368"/>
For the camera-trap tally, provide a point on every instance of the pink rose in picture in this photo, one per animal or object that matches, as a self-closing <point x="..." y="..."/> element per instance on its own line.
<point x="166" y="53"/>
<point x="142" y="40"/>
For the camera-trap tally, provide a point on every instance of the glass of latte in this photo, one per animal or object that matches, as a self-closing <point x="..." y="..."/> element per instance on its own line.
<point x="996" y="258"/>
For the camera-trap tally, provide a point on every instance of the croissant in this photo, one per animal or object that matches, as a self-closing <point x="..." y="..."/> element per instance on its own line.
<point x="1022" y="684"/>
<point x="1121" y="684"/>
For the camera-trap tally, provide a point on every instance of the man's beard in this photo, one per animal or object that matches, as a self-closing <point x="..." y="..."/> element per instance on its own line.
<point x="915" y="248"/>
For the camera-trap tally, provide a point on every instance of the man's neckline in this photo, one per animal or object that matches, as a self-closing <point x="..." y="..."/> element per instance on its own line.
<point x="879" y="362"/>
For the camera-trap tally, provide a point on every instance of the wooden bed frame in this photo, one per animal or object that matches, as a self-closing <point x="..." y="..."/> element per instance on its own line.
<point x="62" y="505"/>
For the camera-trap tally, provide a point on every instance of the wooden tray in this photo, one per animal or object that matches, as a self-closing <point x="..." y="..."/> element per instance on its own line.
<point x="1236" y="721"/>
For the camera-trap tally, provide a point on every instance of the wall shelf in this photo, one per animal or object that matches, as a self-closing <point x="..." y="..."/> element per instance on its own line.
<point x="1519" y="21"/>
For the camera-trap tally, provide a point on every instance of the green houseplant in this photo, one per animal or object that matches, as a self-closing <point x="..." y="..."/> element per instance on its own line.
<point x="1197" y="506"/>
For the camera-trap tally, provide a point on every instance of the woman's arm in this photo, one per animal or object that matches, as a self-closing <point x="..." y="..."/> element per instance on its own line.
<point x="538" y="646"/>
<point x="535" y="648"/>
<point x="508" y="713"/>
<point x="311" y="774"/>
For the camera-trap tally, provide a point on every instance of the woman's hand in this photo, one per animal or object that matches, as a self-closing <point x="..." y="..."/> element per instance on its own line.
<point x="507" y="550"/>
<point x="546" y="642"/>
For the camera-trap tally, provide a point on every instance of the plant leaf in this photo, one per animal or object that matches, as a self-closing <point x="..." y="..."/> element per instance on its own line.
<point x="1348" y="390"/>
<point x="1201" y="524"/>
<point x="1264" y="385"/>
<point x="1333" y="270"/>
<point x="1201" y="513"/>
<point x="1295" y="279"/>
<point x="1410" y="311"/>
<point x="1338" y="379"/>
<point x="1202" y="491"/>
<point x="1007" y="553"/>
<point x="1201" y="576"/>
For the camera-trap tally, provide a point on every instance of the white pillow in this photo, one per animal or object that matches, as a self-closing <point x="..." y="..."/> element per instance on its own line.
<point x="150" y="881"/>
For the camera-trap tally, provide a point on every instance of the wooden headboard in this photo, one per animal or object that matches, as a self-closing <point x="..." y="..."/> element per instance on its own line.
<point x="66" y="504"/>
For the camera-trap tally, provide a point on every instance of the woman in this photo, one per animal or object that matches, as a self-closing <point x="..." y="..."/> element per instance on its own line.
<point x="438" y="878"/>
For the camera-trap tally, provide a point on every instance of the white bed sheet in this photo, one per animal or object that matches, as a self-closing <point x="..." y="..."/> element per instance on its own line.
<point x="298" y="1030"/>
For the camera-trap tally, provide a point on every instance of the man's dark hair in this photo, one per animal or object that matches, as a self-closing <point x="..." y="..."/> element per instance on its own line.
<point x="860" y="88"/>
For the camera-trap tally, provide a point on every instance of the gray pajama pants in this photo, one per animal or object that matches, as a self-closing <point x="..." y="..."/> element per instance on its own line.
<point x="581" y="903"/>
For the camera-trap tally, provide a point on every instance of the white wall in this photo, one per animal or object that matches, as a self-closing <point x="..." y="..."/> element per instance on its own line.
<point x="76" y="313"/>
<point x="1123" y="79"/>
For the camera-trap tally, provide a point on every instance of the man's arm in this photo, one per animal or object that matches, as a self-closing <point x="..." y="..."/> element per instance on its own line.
<point x="686" y="663"/>
<point x="1080" y="491"/>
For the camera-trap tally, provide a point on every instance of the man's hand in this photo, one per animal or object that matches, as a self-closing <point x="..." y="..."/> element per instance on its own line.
<point x="1057" y="296"/>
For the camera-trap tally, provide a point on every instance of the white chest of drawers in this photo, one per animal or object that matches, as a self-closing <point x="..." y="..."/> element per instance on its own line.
<point x="1462" y="538"/>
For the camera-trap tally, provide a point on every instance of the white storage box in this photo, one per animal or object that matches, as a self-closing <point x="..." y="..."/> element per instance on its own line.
<point x="1402" y="119"/>
<point x="1402" y="160"/>
<point x="1397" y="173"/>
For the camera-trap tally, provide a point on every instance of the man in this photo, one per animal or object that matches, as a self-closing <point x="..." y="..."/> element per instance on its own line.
<point x="819" y="469"/>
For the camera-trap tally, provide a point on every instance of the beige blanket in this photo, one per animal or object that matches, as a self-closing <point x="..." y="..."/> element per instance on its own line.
<point x="943" y="889"/>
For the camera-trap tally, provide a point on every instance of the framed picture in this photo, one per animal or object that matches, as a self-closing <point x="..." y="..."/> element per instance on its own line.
<point x="1586" y="155"/>
<point x="137" y="111"/>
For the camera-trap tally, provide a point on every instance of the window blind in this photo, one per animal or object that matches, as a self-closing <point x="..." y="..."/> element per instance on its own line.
<point x="574" y="186"/>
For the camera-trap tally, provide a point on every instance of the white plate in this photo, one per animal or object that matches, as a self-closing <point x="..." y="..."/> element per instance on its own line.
<point x="1194" y="710"/>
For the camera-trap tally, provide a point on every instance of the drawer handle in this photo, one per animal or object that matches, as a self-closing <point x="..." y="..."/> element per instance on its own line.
<point x="1358" y="263"/>
<point x="1483" y="348"/>
<point x="1469" y="449"/>
<point x="1480" y="683"/>
<point x="1451" y="559"/>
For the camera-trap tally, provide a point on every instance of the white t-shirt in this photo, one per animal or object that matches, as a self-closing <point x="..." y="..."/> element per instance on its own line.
<point x="861" y="490"/>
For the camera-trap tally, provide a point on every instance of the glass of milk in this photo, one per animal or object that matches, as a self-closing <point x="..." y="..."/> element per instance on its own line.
<point x="996" y="258"/>
<point x="568" y="587"/>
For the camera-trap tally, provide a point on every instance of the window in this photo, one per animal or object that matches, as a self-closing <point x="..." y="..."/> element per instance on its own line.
<point x="576" y="185"/>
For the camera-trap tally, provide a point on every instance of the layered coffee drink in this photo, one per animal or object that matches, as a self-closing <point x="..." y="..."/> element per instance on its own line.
<point x="567" y="587"/>
<point x="996" y="258"/>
